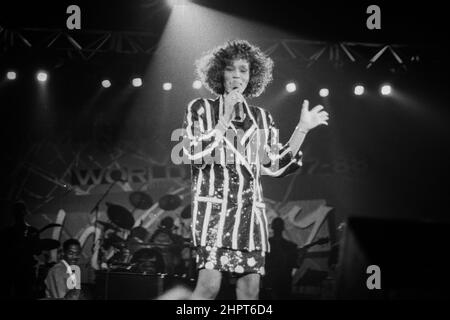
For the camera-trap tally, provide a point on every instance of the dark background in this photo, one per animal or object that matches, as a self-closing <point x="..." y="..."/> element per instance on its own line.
<point x="404" y="142"/>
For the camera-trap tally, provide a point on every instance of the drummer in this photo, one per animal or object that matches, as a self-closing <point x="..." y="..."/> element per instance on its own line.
<point x="121" y="259"/>
<point x="171" y="245"/>
<point x="61" y="278"/>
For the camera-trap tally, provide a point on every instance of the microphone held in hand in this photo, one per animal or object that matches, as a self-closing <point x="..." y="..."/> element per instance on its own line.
<point x="237" y="109"/>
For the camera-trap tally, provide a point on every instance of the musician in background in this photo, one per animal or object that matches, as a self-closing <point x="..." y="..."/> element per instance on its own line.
<point x="61" y="280"/>
<point x="104" y="251"/>
<point x="170" y="244"/>
<point x="120" y="261"/>
<point x="281" y="263"/>
<point x="20" y="243"/>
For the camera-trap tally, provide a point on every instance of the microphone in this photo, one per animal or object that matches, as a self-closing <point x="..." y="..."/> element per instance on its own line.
<point x="237" y="109"/>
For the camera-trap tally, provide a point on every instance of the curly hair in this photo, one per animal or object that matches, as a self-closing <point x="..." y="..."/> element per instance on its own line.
<point x="210" y="68"/>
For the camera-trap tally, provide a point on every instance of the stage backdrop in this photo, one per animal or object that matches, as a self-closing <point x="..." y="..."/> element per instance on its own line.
<point x="64" y="184"/>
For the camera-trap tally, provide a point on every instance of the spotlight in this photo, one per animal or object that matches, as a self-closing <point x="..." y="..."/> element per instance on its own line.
<point x="386" y="90"/>
<point x="11" y="75"/>
<point x="167" y="86"/>
<point x="42" y="76"/>
<point x="291" y="87"/>
<point x="137" y="82"/>
<point x="359" y="90"/>
<point x="324" y="92"/>
<point x="106" y="83"/>
<point x="197" y="84"/>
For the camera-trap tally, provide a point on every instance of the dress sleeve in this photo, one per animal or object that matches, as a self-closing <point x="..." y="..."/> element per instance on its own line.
<point x="279" y="160"/>
<point x="200" y="136"/>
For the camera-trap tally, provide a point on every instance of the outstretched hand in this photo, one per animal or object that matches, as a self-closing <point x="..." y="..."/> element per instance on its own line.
<point x="309" y="119"/>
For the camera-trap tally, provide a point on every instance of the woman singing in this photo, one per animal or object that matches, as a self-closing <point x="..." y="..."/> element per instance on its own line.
<point x="230" y="145"/>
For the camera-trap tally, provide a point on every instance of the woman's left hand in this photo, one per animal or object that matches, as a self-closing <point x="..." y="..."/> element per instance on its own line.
<point x="309" y="119"/>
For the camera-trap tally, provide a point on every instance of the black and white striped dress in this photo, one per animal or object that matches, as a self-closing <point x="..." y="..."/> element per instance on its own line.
<point x="229" y="222"/>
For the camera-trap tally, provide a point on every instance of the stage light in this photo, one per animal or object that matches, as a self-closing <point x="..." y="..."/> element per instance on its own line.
<point x="386" y="90"/>
<point x="359" y="90"/>
<point x="42" y="76"/>
<point x="11" y="75"/>
<point x="324" y="92"/>
<point x="137" y="82"/>
<point x="197" y="84"/>
<point x="291" y="87"/>
<point x="167" y="86"/>
<point x="106" y="83"/>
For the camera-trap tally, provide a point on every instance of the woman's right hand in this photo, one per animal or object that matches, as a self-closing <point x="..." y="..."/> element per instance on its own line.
<point x="230" y="100"/>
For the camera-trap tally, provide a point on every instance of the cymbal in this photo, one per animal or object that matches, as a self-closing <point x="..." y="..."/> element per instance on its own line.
<point x="107" y="225"/>
<point x="169" y="202"/>
<point x="141" y="200"/>
<point x="120" y="216"/>
<point x="186" y="213"/>
<point x="51" y="225"/>
<point x="48" y="244"/>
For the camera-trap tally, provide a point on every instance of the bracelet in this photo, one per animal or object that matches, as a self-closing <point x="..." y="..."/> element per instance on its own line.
<point x="303" y="131"/>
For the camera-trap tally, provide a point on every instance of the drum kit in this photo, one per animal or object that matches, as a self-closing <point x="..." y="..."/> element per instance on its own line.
<point x="144" y="256"/>
<point x="161" y="253"/>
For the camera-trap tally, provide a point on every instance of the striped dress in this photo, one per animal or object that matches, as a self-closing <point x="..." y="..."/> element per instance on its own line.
<point x="229" y="222"/>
